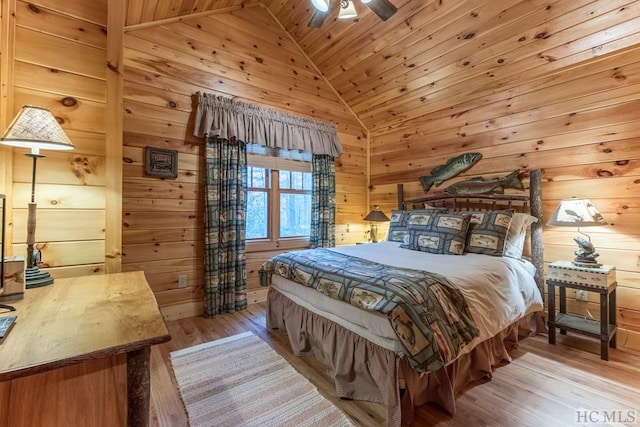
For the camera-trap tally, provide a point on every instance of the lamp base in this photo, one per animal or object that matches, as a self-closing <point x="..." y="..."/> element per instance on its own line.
<point x="587" y="264"/>
<point x="374" y="233"/>
<point x="34" y="278"/>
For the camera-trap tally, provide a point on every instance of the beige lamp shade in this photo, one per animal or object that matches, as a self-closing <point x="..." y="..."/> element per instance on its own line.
<point x="576" y="213"/>
<point x="36" y="128"/>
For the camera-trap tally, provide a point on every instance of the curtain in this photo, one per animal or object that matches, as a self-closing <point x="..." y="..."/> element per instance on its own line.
<point x="225" y="284"/>
<point x="228" y="118"/>
<point x="228" y="125"/>
<point x="323" y="203"/>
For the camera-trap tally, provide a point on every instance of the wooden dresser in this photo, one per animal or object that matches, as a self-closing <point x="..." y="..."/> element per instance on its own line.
<point x="78" y="354"/>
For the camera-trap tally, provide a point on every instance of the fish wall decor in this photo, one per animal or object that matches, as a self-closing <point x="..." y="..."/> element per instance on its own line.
<point x="453" y="167"/>
<point x="480" y="185"/>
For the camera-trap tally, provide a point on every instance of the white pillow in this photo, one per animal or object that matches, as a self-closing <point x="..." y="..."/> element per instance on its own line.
<point x="517" y="233"/>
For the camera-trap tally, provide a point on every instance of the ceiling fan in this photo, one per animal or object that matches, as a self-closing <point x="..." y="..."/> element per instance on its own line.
<point x="383" y="8"/>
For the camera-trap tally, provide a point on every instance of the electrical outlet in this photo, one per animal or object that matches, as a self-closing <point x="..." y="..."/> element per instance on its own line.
<point x="182" y="281"/>
<point x="582" y="295"/>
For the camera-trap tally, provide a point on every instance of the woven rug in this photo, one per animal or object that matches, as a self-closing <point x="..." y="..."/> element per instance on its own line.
<point x="242" y="381"/>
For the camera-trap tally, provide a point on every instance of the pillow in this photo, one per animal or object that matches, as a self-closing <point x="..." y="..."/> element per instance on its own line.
<point x="517" y="234"/>
<point x="488" y="232"/>
<point x="440" y="233"/>
<point x="399" y="220"/>
<point x="398" y="225"/>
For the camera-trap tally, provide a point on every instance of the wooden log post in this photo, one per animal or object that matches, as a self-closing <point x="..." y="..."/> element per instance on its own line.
<point x="138" y="387"/>
<point x="537" y="251"/>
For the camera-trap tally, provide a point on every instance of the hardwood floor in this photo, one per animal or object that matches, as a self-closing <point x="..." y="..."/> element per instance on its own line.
<point x="566" y="384"/>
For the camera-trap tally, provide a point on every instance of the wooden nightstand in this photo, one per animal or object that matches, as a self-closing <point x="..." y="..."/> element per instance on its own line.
<point x="601" y="280"/>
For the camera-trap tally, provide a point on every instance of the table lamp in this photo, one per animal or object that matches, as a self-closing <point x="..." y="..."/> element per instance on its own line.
<point x="579" y="213"/>
<point x="35" y="128"/>
<point x="375" y="216"/>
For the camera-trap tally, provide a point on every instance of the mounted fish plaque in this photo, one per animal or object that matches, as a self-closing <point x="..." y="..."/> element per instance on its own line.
<point x="480" y="185"/>
<point x="453" y="167"/>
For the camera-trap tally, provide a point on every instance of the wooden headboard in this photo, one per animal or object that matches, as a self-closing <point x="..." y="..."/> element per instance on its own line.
<point x="531" y="204"/>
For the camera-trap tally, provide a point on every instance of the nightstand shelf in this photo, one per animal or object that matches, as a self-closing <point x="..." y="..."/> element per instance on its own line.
<point x="579" y="324"/>
<point x="602" y="280"/>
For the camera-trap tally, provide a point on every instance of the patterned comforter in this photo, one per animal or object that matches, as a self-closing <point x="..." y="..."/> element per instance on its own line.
<point x="427" y="312"/>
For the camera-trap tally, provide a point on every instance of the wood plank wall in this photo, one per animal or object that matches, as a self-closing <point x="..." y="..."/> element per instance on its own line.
<point x="244" y="54"/>
<point x="55" y="58"/>
<point x="579" y="123"/>
<point x="576" y="120"/>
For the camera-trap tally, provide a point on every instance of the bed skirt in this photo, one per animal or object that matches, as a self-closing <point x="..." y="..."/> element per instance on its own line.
<point x="365" y="371"/>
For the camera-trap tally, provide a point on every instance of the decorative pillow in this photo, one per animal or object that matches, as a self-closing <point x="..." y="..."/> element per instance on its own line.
<point x="398" y="225"/>
<point x="488" y="232"/>
<point x="399" y="220"/>
<point x="517" y="234"/>
<point x="440" y="233"/>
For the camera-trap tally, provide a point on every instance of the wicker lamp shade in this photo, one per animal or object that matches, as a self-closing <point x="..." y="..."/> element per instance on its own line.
<point x="36" y="128"/>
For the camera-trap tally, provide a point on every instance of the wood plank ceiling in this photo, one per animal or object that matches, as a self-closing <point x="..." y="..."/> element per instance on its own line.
<point x="421" y="60"/>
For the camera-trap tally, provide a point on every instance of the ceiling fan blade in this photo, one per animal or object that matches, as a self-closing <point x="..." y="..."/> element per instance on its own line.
<point x="383" y="8"/>
<point x="317" y="19"/>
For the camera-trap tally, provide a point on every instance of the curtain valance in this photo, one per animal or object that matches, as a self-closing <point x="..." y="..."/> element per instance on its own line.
<point x="221" y="117"/>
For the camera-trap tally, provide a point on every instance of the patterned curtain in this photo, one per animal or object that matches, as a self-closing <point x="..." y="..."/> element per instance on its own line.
<point x="229" y="118"/>
<point x="225" y="284"/>
<point x="323" y="203"/>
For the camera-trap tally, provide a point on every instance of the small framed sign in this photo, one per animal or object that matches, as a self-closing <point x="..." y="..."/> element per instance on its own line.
<point x="161" y="162"/>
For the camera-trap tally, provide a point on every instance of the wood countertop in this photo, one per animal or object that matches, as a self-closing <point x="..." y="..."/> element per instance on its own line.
<point x="81" y="318"/>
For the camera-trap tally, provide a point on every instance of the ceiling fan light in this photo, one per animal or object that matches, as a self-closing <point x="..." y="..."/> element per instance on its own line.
<point x="321" y="5"/>
<point x="347" y="10"/>
<point x="365" y="1"/>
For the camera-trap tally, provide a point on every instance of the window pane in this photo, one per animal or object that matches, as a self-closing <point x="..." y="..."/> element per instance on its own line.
<point x="295" y="215"/>
<point x="257" y="215"/>
<point x="308" y="180"/>
<point x="257" y="177"/>
<point x="284" y="178"/>
<point x="296" y="180"/>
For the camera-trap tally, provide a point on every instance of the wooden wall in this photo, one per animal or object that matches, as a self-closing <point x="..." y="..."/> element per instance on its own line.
<point x="568" y="105"/>
<point x="244" y="54"/>
<point x="579" y="124"/>
<point x="53" y="55"/>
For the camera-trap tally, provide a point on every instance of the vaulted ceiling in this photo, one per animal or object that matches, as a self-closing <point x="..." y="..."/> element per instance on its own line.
<point x="433" y="56"/>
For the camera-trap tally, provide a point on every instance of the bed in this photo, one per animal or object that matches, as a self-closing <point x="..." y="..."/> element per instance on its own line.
<point x="376" y="342"/>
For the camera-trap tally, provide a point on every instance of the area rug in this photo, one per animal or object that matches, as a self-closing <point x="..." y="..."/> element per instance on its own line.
<point x="242" y="381"/>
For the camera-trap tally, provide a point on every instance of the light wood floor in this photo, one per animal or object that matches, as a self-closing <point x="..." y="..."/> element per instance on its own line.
<point x="544" y="385"/>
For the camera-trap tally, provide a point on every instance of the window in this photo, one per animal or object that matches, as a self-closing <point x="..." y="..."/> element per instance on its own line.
<point x="295" y="203"/>
<point x="278" y="200"/>
<point x="258" y="196"/>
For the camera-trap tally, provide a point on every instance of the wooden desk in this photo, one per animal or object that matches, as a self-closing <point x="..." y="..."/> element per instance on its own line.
<point x="79" y="353"/>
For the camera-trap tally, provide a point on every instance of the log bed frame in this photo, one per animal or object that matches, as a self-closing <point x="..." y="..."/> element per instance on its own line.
<point x="531" y="204"/>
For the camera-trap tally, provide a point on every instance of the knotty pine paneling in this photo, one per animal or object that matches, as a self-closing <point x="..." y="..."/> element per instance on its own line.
<point x="86" y="224"/>
<point x="528" y="84"/>
<point x="67" y="253"/>
<point x="244" y="54"/>
<point x="145" y="11"/>
<point x="579" y="124"/>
